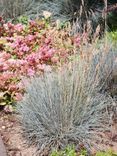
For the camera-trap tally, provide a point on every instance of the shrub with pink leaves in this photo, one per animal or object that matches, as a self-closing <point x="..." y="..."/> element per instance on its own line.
<point x="27" y="50"/>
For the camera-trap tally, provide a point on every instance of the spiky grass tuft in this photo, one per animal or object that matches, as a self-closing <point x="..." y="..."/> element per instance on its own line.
<point x="10" y="9"/>
<point x="69" y="106"/>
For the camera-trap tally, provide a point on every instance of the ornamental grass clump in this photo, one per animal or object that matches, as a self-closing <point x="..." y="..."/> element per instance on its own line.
<point x="68" y="107"/>
<point x="11" y="9"/>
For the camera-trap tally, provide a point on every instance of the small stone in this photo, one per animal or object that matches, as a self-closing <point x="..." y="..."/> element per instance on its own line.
<point x="3" y="127"/>
<point x="8" y="109"/>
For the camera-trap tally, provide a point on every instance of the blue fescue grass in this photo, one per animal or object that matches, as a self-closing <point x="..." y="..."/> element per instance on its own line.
<point x="70" y="106"/>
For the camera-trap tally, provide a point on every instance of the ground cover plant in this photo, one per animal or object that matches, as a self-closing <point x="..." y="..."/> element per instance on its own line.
<point x="70" y="151"/>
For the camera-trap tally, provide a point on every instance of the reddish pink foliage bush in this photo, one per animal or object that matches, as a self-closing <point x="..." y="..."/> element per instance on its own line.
<point x="26" y="50"/>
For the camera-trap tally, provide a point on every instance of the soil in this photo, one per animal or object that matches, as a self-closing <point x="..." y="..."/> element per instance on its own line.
<point x="11" y="132"/>
<point x="2" y="148"/>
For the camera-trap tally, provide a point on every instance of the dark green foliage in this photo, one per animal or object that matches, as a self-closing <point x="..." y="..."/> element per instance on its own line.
<point x="112" y="21"/>
<point x="90" y="10"/>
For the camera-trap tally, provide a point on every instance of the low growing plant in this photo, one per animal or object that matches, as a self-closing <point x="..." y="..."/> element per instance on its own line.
<point x="108" y="153"/>
<point x="69" y="151"/>
<point x="112" y="36"/>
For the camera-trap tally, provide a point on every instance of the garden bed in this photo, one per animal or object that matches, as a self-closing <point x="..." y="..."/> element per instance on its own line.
<point x="16" y="145"/>
<point x="39" y="47"/>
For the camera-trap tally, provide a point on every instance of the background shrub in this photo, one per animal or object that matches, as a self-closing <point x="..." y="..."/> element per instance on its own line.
<point x="83" y="10"/>
<point x="11" y="9"/>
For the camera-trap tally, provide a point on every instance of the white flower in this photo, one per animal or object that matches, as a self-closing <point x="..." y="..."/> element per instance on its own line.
<point x="47" y="14"/>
